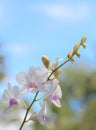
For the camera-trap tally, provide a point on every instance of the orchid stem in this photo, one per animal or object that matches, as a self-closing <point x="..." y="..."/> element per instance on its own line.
<point x="23" y="102"/>
<point x="27" y="111"/>
<point x="28" y="108"/>
<point x="66" y="60"/>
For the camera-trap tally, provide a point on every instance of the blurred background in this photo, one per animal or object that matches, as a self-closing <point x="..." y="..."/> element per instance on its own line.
<point x="30" y="29"/>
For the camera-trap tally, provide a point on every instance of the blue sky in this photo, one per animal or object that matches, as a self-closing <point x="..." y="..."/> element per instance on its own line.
<point x="30" y="29"/>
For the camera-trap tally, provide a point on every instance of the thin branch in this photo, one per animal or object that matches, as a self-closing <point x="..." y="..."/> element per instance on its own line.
<point x="28" y="109"/>
<point x="57" y="68"/>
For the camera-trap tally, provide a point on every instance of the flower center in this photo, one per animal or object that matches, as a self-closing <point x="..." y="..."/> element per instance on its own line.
<point x="12" y="102"/>
<point x="32" y="85"/>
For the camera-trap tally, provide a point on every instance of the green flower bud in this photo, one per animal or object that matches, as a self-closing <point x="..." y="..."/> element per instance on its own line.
<point x="70" y="56"/>
<point x="77" y="54"/>
<point x="83" y="41"/>
<point x="76" y="47"/>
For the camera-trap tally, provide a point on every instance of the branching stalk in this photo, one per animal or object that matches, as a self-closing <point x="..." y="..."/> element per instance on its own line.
<point x="57" y="68"/>
<point x="27" y="111"/>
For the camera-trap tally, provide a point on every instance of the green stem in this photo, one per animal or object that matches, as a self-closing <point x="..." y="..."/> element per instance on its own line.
<point x="66" y="60"/>
<point x="28" y="109"/>
<point x="58" y="68"/>
<point x="23" y="102"/>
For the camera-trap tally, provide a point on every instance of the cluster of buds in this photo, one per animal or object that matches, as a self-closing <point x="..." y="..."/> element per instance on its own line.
<point x="39" y="80"/>
<point x="75" y="50"/>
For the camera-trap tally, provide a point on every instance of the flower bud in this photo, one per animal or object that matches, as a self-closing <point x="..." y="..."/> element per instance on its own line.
<point x="77" y="54"/>
<point x="46" y="61"/>
<point x="83" y="41"/>
<point x="70" y="56"/>
<point x="76" y="47"/>
<point x="33" y="116"/>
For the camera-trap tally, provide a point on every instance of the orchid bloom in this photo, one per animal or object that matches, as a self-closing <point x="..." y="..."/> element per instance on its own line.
<point x="32" y="81"/>
<point x="40" y="116"/>
<point x="54" y="94"/>
<point x="11" y="96"/>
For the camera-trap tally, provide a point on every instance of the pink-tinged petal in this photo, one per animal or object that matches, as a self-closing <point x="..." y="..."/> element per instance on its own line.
<point x="40" y="117"/>
<point x="22" y="78"/>
<point x="42" y="120"/>
<point x="53" y="84"/>
<point x="54" y="94"/>
<point x="9" y="90"/>
<point x="23" y="90"/>
<point x="5" y="96"/>
<point x="56" y="103"/>
<point x="31" y="71"/>
<point x="34" y="90"/>
<point x="42" y="88"/>
<point x="43" y="109"/>
<point x="11" y="95"/>
<point x="58" y="92"/>
<point x="16" y="91"/>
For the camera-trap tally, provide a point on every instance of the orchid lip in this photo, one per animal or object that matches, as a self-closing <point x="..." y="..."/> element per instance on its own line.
<point x="12" y="102"/>
<point x="32" y="85"/>
<point x="55" y="97"/>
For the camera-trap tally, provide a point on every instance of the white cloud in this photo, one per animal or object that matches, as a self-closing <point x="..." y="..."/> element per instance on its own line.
<point x="19" y="49"/>
<point x="63" y="12"/>
<point x="23" y="49"/>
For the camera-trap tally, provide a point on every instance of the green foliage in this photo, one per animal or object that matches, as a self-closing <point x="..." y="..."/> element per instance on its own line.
<point x="89" y="118"/>
<point x="78" y="82"/>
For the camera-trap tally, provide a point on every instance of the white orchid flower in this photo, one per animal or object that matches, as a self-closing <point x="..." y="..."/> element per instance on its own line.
<point x="40" y="116"/>
<point x="11" y="96"/>
<point x="32" y="81"/>
<point x="54" y="94"/>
